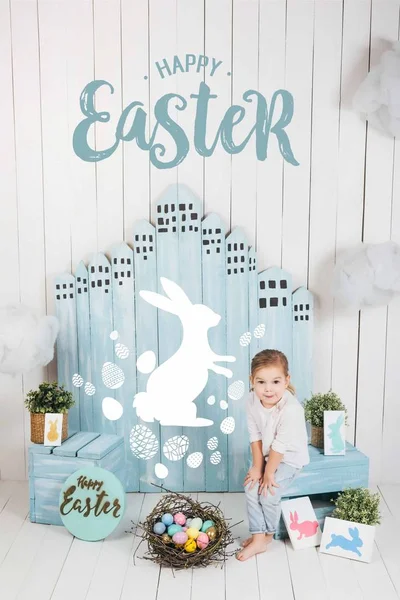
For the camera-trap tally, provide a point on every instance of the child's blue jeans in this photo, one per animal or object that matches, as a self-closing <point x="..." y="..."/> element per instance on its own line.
<point x="264" y="511"/>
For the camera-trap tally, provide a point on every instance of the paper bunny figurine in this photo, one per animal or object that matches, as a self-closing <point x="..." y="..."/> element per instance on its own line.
<point x="305" y="528"/>
<point x="346" y="544"/>
<point x="336" y="436"/>
<point x="174" y="385"/>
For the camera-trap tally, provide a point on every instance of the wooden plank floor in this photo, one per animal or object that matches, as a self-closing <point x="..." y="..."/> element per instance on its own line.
<point x="42" y="562"/>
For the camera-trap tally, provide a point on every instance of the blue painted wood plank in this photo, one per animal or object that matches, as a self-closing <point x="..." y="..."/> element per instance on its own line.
<point x="84" y="351"/>
<point x="47" y="494"/>
<point x="67" y="342"/>
<point x="303" y="326"/>
<point x="102" y="347"/>
<point x="100" y="446"/>
<point x="125" y="350"/>
<point x="214" y="296"/>
<point x="328" y="480"/>
<point x="237" y="320"/>
<point x="275" y="301"/>
<point x="41" y="449"/>
<point x="58" y="467"/>
<point x="145" y="259"/>
<point x="72" y="446"/>
<point x="190" y="214"/>
<point x="169" y="325"/>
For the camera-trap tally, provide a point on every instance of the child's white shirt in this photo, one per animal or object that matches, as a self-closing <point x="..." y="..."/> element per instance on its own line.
<point x="282" y="428"/>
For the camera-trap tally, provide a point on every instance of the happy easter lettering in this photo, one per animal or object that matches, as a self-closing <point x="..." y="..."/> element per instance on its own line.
<point x="86" y="508"/>
<point x="268" y="120"/>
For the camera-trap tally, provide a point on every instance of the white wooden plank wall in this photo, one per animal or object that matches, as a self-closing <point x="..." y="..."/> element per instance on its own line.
<point x="58" y="210"/>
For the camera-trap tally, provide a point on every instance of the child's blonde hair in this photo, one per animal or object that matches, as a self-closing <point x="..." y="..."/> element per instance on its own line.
<point x="268" y="358"/>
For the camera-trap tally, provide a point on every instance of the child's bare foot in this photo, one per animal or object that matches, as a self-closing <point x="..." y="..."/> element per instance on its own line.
<point x="250" y="539"/>
<point x="257" y="545"/>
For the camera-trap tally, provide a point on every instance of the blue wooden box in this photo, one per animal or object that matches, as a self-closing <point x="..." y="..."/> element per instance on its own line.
<point x="49" y="467"/>
<point x="324" y="477"/>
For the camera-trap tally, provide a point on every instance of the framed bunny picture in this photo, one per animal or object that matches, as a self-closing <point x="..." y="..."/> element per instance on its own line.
<point x="334" y="432"/>
<point x="348" y="539"/>
<point x="301" y="522"/>
<point x="53" y="429"/>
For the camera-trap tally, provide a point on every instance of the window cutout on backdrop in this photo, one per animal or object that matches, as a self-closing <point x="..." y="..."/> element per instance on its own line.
<point x="174" y="385"/>
<point x="92" y="503"/>
<point x="53" y="429"/>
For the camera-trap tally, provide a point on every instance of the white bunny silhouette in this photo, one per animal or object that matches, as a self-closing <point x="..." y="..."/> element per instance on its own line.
<point x="174" y="385"/>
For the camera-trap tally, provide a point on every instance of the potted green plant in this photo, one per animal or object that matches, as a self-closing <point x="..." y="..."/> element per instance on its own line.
<point x="48" y="398"/>
<point x="314" y="409"/>
<point x="350" y="530"/>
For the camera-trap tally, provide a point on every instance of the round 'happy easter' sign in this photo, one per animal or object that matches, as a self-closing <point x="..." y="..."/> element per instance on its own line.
<point x="92" y="503"/>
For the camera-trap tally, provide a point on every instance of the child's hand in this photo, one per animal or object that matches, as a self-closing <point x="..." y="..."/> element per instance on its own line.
<point x="267" y="484"/>
<point x="254" y="475"/>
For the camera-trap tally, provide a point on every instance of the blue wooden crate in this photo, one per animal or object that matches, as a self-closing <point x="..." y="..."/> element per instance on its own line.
<point x="324" y="477"/>
<point x="49" y="467"/>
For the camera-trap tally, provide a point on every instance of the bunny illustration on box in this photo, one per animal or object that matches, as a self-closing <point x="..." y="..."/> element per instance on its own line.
<point x="53" y="429"/>
<point x="52" y="436"/>
<point x="305" y="528"/>
<point x="174" y="385"/>
<point x="334" y="434"/>
<point x="352" y="545"/>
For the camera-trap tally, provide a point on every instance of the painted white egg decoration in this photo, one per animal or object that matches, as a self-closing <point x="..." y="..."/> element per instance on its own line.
<point x="161" y="471"/>
<point x="114" y="335"/>
<point x="90" y="390"/>
<point x="112" y="409"/>
<point x="215" y="458"/>
<point x="121" y="351"/>
<point x="212" y="443"/>
<point x="236" y="390"/>
<point x="77" y="380"/>
<point x="211" y="400"/>
<point x="223" y="404"/>
<point x="228" y="425"/>
<point x="245" y="339"/>
<point x="112" y="375"/>
<point x="176" y="447"/>
<point x="194" y="460"/>
<point x="259" y="331"/>
<point x="143" y="442"/>
<point x="146" y="362"/>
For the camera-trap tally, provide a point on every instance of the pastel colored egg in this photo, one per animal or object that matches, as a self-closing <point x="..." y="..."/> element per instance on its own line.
<point x="184" y="528"/>
<point x="180" y="538"/>
<point x="172" y="529"/>
<point x="197" y="523"/>
<point x="192" y="533"/>
<point x="206" y="525"/>
<point x="159" y="528"/>
<point x="167" y="519"/>
<point x="191" y="546"/>
<point x="202" y="541"/>
<point x="180" y="518"/>
<point x="212" y="533"/>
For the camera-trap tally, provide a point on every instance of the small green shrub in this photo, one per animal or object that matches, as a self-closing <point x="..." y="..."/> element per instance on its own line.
<point x="49" y="398"/>
<point x="314" y="407"/>
<point x="358" y="505"/>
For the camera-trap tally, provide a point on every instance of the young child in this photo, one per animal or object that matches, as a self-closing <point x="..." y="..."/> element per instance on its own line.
<point x="279" y="446"/>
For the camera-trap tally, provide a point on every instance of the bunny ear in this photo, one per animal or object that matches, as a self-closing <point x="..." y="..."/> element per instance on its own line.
<point x="159" y="301"/>
<point x="291" y="517"/>
<point x="296" y="516"/>
<point x="175" y="292"/>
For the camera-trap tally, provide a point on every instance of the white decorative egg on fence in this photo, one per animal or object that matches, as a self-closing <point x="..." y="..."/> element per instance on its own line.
<point x="112" y="375"/>
<point x="212" y="443"/>
<point x="77" y="380"/>
<point x="112" y="409"/>
<point x="259" y="331"/>
<point x="114" y="335"/>
<point x="245" y="339"/>
<point x="161" y="471"/>
<point x="143" y="442"/>
<point x="211" y="400"/>
<point x="146" y="362"/>
<point x="121" y="351"/>
<point x="223" y="404"/>
<point x="228" y="425"/>
<point x="194" y="460"/>
<point x="236" y="390"/>
<point x="90" y="390"/>
<point x="176" y="447"/>
<point x="215" y="458"/>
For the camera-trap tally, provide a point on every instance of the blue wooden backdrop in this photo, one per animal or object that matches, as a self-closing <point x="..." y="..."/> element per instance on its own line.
<point x="105" y="326"/>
